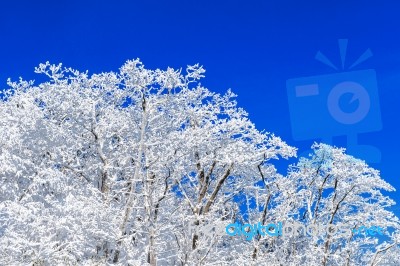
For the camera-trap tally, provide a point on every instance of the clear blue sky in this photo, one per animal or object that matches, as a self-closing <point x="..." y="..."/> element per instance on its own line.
<point x="253" y="47"/>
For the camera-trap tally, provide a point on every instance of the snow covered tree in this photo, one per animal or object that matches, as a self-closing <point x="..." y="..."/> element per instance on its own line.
<point x="339" y="195"/>
<point x="148" y="167"/>
<point x="114" y="167"/>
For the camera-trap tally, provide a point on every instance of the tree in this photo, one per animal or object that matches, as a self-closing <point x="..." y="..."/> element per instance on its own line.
<point x="332" y="191"/>
<point x="148" y="167"/>
<point x="99" y="166"/>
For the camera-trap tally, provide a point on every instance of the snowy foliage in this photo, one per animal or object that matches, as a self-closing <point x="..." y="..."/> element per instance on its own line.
<point x="128" y="168"/>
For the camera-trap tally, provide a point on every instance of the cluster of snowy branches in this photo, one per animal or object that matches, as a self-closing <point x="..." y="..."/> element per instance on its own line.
<point x="127" y="168"/>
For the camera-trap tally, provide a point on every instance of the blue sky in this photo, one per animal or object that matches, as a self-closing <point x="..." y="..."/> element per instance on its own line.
<point x="253" y="47"/>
